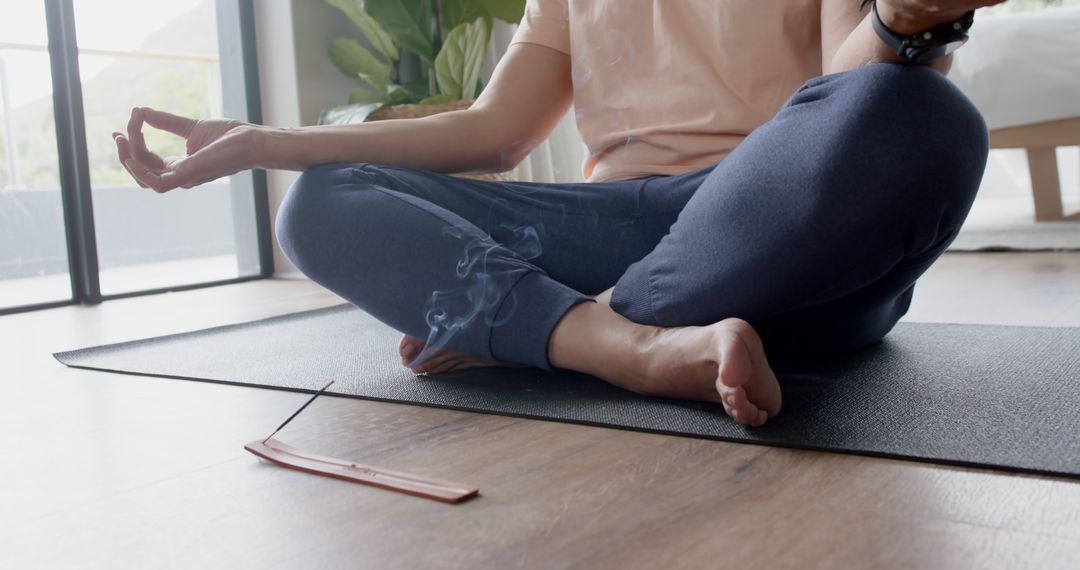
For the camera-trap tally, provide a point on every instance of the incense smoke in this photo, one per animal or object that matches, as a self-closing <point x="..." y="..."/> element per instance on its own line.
<point x="480" y="296"/>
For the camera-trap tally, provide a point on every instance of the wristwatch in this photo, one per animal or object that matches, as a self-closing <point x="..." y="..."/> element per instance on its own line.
<point x="936" y="42"/>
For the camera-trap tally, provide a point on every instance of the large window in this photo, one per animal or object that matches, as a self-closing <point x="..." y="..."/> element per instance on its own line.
<point x="74" y="226"/>
<point x="33" y="256"/>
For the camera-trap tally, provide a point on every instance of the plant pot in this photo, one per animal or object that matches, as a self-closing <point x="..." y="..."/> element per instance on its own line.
<point x="410" y="111"/>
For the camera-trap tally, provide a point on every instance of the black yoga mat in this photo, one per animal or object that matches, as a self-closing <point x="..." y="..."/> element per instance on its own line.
<point x="991" y="396"/>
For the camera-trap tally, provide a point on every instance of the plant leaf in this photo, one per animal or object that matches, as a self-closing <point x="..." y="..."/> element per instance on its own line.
<point x="380" y="84"/>
<point x="409" y="22"/>
<point x="436" y="100"/>
<point x="506" y="10"/>
<point x="457" y="12"/>
<point x="457" y="68"/>
<point x="418" y="87"/>
<point x="360" y="96"/>
<point x="348" y="114"/>
<point x="355" y="60"/>
<point x="397" y="94"/>
<point x="375" y="34"/>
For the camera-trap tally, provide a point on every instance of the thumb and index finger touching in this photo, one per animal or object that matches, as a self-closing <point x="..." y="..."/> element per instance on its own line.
<point x="175" y="124"/>
<point x="136" y="157"/>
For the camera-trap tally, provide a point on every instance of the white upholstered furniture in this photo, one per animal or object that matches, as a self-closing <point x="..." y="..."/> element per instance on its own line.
<point x="1023" y="73"/>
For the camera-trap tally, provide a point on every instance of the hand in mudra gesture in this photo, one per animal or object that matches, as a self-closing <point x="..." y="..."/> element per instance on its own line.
<point x="912" y="16"/>
<point x="215" y="148"/>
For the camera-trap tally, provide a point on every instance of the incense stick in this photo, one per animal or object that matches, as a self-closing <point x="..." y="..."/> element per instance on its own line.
<point x="297" y="412"/>
<point x="418" y="485"/>
<point x="277" y="452"/>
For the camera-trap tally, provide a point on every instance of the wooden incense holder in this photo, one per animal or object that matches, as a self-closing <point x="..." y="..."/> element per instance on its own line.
<point x="277" y="452"/>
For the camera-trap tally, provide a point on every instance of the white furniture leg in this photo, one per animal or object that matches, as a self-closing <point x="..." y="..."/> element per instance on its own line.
<point x="1045" y="185"/>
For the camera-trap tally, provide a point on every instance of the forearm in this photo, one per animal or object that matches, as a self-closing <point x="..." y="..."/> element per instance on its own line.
<point x="863" y="46"/>
<point x="456" y="141"/>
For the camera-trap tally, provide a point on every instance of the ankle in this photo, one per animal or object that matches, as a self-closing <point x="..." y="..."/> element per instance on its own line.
<point x="594" y="339"/>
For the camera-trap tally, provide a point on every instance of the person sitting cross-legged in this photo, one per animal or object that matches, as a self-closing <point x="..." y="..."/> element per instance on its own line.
<point x="764" y="178"/>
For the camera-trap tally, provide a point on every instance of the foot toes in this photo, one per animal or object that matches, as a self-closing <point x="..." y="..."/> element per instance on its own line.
<point x="743" y="410"/>
<point x="409" y="347"/>
<point x="735" y="413"/>
<point x="468" y="363"/>
<point x="753" y="418"/>
<point x="433" y="366"/>
<point x="739" y="400"/>
<point x="731" y="395"/>
<point x="428" y="364"/>
<point x="444" y="367"/>
<point x="750" y="413"/>
<point x="744" y="372"/>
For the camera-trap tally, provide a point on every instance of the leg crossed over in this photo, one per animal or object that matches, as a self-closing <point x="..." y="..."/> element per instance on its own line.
<point x="484" y="268"/>
<point x="816" y="227"/>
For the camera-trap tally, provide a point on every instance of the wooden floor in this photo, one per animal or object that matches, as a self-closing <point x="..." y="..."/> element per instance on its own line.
<point x="114" y="471"/>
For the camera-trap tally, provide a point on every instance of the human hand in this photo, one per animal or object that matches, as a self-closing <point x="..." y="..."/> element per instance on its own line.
<point x="215" y="148"/>
<point x="907" y="17"/>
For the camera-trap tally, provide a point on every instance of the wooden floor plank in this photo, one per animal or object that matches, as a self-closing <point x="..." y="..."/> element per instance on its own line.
<point x="108" y="470"/>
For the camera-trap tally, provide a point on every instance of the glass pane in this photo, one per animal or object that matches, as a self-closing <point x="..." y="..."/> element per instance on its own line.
<point x="165" y="56"/>
<point x="33" y="251"/>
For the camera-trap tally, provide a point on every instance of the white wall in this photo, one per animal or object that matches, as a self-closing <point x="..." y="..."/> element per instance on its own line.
<point x="297" y="79"/>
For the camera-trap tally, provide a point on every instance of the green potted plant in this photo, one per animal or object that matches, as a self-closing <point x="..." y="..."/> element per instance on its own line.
<point x="448" y="37"/>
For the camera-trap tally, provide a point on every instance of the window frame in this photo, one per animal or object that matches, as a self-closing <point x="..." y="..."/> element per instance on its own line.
<point x="240" y="100"/>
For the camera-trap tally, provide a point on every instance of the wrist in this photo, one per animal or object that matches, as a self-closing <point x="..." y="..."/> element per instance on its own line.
<point x="275" y="148"/>
<point x="907" y="22"/>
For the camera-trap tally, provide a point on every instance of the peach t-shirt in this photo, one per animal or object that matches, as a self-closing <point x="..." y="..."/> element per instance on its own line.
<point x="671" y="86"/>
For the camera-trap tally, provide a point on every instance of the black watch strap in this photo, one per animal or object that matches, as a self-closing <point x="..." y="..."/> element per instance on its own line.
<point x="926" y="45"/>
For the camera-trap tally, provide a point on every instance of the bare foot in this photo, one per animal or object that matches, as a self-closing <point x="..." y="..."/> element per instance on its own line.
<point x="442" y="361"/>
<point x="723" y="362"/>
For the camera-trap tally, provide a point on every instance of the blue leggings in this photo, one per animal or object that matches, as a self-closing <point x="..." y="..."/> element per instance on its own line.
<point x="814" y="229"/>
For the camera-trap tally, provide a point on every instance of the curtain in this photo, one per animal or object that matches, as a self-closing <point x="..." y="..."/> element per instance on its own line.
<point x="557" y="159"/>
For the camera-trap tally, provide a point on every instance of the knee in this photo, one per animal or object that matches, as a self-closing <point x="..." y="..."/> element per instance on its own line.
<point x="306" y="210"/>
<point x="941" y="146"/>
<point x="908" y="96"/>
<point x="933" y="136"/>
<point x="901" y="134"/>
